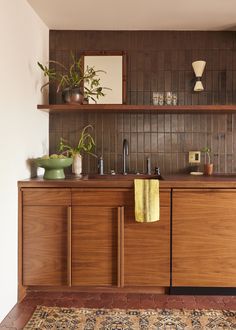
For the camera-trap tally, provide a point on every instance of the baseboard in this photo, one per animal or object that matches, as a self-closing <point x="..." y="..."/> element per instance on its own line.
<point x="180" y="290"/>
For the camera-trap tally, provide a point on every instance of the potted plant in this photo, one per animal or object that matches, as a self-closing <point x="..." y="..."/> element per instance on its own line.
<point x="76" y="83"/>
<point x="208" y="166"/>
<point x="85" y="145"/>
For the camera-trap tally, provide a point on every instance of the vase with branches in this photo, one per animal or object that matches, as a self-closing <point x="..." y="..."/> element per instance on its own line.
<point x="86" y="144"/>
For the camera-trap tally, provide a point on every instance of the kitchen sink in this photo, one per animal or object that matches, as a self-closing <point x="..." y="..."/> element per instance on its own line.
<point x="129" y="176"/>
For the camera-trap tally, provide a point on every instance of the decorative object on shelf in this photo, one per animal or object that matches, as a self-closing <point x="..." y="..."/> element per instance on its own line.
<point x="198" y="68"/>
<point x="208" y="166"/>
<point x="158" y="98"/>
<point x="168" y="98"/>
<point x="114" y="63"/>
<point x="73" y="95"/>
<point x="54" y="166"/>
<point x="174" y="98"/>
<point x="85" y="145"/>
<point x="75" y="82"/>
<point x="154" y="98"/>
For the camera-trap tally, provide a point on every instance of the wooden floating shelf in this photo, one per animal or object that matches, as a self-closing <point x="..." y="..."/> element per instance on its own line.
<point x="57" y="108"/>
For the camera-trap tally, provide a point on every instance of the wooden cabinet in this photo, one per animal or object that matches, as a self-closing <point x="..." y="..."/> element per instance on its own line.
<point x="88" y="237"/>
<point x="96" y="236"/>
<point x="204" y="238"/>
<point x="44" y="233"/>
<point x="94" y="245"/>
<point x="147" y="248"/>
<point x="110" y="249"/>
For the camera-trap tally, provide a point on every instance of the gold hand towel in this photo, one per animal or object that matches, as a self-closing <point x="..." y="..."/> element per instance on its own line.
<point x="147" y="204"/>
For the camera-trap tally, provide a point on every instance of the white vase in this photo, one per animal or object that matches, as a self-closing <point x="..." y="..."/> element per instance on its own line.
<point x="77" y="165"/>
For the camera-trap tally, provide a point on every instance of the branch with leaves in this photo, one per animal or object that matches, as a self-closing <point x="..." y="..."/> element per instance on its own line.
<point x="74" y="76"/>
<point x="86" y="144"/>
<point x="207" y="151"/>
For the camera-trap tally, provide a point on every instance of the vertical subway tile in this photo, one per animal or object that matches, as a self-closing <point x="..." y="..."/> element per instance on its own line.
<point x="154" y="142"/>
<point x="140" y="122"/>
<point x="140" y="142"/>
<point x="147" y="142"/>
<point x="133" y="142"/>
<point x="155" y="63"/>
<point x="161" y="123"/>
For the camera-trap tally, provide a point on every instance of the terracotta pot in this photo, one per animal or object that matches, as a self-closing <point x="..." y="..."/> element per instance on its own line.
<point x="77" y="165"/>
<point x="208" y="169"/>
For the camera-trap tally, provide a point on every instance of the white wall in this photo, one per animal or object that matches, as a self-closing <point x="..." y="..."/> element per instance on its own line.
<point x="23" y="129"/>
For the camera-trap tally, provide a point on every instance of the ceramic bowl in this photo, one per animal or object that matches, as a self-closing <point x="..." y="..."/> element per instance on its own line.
<point x="54" y="168"/>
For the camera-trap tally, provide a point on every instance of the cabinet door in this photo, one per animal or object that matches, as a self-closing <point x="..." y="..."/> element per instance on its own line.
<point x="44" y="235"/>
<point x="147" y="248"/>
<point x="204" y="238"/>
<point x="45" y="245"/>
<point x="94" y="245"/>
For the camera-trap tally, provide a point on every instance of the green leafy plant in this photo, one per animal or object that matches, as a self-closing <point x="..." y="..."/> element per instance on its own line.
<point x="74" y="76"/>
<point x="86" y="144"/>
<point x="207" y="151"/>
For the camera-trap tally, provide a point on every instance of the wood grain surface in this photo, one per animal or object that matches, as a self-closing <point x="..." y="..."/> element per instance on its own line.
<point x="74" y="108"/>
<point x="204" y="238"/>
<point x="147" y="248"/>
<point x="102" y="197"/>
<point x="44" y="245"/>
<point x="45" y="197"/>
<point x="94" y="246"/>
<point x="170" y="181"/>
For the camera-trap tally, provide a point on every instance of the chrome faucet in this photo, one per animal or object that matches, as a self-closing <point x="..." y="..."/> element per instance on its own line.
<point x="125" y="154"/>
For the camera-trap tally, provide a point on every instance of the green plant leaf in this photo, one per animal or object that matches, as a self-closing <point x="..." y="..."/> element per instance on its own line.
<point x="74" y="76"/>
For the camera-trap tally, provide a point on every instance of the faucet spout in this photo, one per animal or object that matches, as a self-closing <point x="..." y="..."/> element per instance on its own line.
<point x="125" y="154"/>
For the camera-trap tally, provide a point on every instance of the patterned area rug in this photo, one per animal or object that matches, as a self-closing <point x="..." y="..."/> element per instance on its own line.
<point x="57" y="318"/>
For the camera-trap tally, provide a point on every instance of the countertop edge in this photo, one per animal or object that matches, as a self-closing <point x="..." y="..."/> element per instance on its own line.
<point x="169" y="182"/>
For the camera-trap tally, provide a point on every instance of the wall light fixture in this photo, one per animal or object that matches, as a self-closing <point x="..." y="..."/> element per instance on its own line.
<point x="198" y="68"/>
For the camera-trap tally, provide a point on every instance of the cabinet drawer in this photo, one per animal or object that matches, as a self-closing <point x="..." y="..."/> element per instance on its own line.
<point x="111" y="197"/>
<point x="102" y="197"/>
<point x="49" y="196"/>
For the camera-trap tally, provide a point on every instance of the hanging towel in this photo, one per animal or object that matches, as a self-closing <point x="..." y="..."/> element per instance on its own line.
<point x="147" y="204"/>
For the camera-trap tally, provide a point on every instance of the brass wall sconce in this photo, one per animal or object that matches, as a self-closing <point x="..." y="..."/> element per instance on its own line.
<point x="198" y="68"/>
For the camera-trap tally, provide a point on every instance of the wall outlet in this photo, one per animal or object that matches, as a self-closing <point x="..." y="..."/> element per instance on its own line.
<point x="194" y="157"/>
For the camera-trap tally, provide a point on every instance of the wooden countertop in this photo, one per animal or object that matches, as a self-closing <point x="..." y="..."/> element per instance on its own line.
<point x="171" y="181"/>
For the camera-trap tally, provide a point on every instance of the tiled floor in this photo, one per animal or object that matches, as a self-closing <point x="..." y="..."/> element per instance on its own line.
<point x="20" y="314"/>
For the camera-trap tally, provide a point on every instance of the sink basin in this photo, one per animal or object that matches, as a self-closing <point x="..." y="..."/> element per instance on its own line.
<point x="130" y="176"/>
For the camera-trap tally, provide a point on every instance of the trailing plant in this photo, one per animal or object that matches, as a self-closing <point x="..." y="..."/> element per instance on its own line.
<point x="86" y="144"/>
<point x="207" y="151"/>
<point x="74" y="76"/>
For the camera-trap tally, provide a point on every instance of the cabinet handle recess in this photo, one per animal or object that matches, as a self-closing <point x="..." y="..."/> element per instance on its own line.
<point x="69" y="246"/>
<point x="120" y="261"/>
